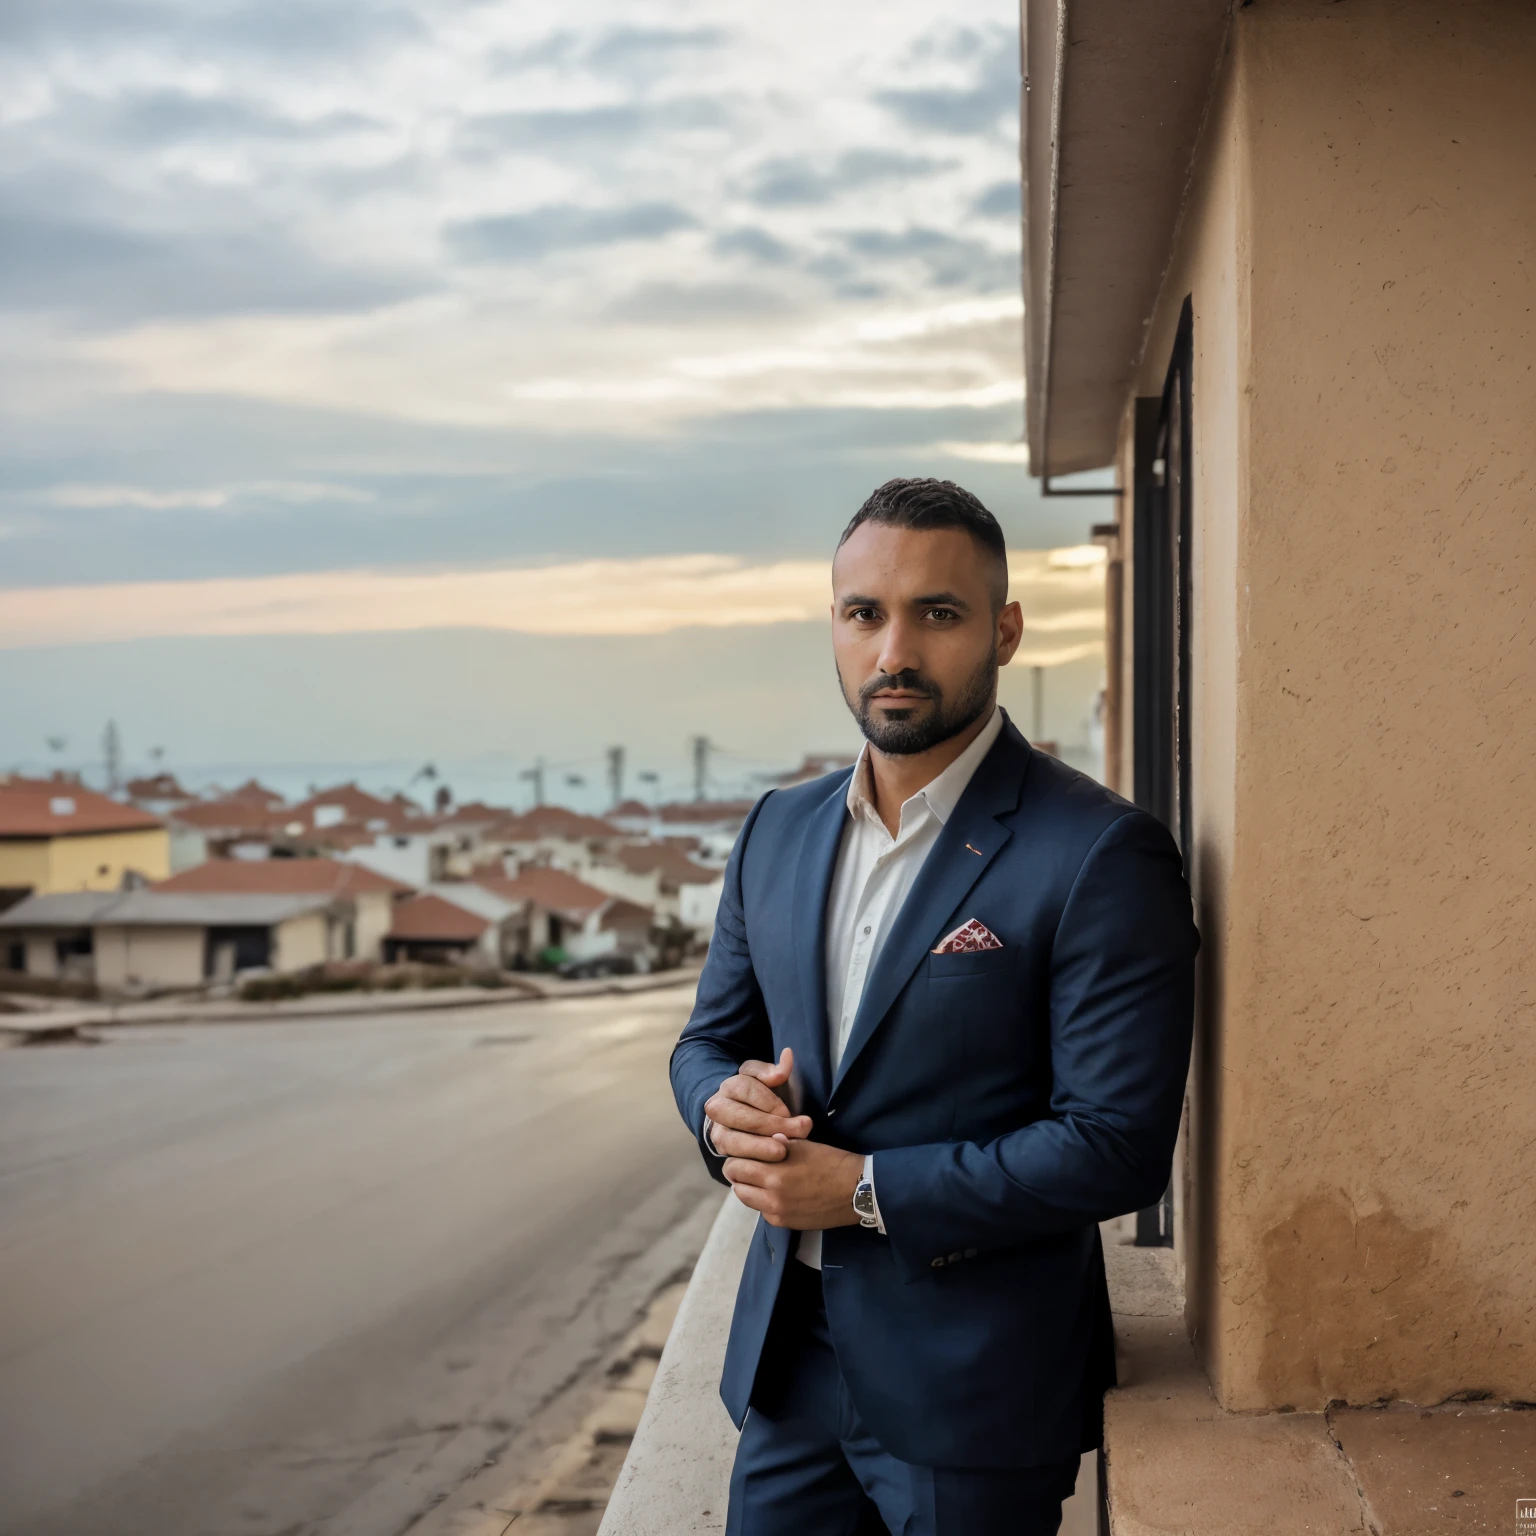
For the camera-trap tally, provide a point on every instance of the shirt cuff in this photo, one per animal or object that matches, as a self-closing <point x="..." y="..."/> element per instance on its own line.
<point x="869" y="1174"/>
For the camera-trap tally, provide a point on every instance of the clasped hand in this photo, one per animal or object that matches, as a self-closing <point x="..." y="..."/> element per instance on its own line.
<point x="772" y="1165"/>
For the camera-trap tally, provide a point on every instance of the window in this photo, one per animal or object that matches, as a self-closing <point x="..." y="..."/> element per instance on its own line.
<point x="1161" y="630"/>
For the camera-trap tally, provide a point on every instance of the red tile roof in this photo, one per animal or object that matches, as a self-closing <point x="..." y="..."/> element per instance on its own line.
<point x="283" y="877"/>
<point x="433" y="919"/>
<point x="58" y="808"/>
<point x="675" y="865"/>
<point x="553" y="889"/>
<point x="252" y="790"/>
<point x="705" y="811"/>
<point x="233" y="815"/>
<point x="475" y="813"/>
<point x="358" y="805"/>
<point x="549" y="821"/>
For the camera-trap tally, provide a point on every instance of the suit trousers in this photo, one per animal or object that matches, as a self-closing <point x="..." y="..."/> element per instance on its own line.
<point x="807" y="1466"/>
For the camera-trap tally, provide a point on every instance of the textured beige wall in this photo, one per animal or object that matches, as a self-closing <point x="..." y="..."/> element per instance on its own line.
<point x="373" y="917"/>
<point x="301" y="941"/>
<point x="96" y="862"/>
<point x="1360" y="243"/>
<point x="148" y="957"/>
<point x="24" y="862"/>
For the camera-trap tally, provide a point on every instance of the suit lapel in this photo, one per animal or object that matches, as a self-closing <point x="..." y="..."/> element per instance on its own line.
<point x="813" y="885"/>
<point x="966" y="846"/>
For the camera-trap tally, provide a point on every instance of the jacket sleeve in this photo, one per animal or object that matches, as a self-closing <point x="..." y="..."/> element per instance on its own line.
<point x="1121" y="1021"/>
<point x="729" y="1024"/>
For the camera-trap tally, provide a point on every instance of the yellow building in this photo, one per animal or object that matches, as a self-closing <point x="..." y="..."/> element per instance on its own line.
<point x="58" y="836"/>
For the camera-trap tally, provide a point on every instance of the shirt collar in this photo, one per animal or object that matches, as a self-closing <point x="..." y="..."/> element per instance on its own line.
<point x="942" y="794"/>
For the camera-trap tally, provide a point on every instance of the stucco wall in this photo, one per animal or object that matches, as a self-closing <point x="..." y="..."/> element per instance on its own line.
<point x="1359" y="244"/>
<point x="24" y="864"/>
<point x="372" y="923"/>
<point x="96" y="862"/>
<point x="129" y="958"/>
<point x="301" y="941"/>
<point x="42" y="955"/>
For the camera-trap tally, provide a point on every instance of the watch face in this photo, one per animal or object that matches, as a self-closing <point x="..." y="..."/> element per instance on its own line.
<point x="864" y="1199"/>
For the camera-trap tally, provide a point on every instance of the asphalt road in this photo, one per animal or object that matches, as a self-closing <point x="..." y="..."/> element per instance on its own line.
<point x="278" y="1279"/>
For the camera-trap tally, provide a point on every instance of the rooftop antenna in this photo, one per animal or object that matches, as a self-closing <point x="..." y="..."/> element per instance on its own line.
<point x="615" y="775"/>
<point x="701" y="750"/>
<point x="536" y="774"/>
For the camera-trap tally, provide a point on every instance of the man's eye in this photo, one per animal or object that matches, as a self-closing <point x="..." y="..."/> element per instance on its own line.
<point x="864" y="615"/>
<point x="942" y="613"/>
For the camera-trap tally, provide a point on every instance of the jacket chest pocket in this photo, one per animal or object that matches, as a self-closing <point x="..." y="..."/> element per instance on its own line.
<point x="979" y="996"/>
<point x="973" y="965"/>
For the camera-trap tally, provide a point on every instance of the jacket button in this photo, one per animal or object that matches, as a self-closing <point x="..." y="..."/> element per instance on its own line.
<point x="936" y="1263"/>
<point x="955" y="1258"/>
<point x="970" y="1253"/>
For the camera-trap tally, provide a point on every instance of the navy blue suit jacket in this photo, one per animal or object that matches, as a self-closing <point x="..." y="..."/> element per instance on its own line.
<point x="1013" y="1097"/>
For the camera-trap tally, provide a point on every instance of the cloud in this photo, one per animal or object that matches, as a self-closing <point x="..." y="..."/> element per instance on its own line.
<point x="514" y="237"/>
<point x="175" y="116"/>
<point x="646" y="596"/>
<point x="579" y="130"/>
<point x="755" y="244"/>
<point x="631" y="48"/>
<point x="289" y="492"/>
<point x="281" y="28"/>
<point x="963" y="110"/>
<point x="800" y="183"/>
<point x="663" y="303"/>
<point x="90" y="265"/>
<point x="949" y="260"/>
<point x="1000" y="201"/>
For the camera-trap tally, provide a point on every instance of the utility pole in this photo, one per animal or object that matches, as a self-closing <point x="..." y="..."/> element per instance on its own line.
<point x="701" y="746"/>
<point x="536" y="774"/>
<point x="615" y="775"/>
<point x="112" y="757"/>
<point x="1037" y="728"/>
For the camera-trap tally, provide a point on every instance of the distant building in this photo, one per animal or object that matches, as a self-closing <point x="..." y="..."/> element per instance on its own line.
<point x="159" y="794"/>
<point x="56" y="835"/>
<point x="569" y="914"/>
<point x="652" y="874"/>
<point x="152" y="941"/>
<point x="817" y="765"/>
<point x="429" y="929"/>
<point x="364" y="899"/>
<point x="553" y="835"/>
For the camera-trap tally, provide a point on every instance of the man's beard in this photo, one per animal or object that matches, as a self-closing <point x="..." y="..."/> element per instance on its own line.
<point x="906" y="732"/>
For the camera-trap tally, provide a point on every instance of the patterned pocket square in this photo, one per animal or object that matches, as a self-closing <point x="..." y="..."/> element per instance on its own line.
<point x="968" y="936"/>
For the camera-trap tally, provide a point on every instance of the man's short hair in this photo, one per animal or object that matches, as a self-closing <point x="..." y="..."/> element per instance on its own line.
<point x="925" y="504"/>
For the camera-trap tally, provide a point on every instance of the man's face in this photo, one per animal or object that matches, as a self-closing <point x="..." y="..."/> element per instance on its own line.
<point x="916" y="638"/>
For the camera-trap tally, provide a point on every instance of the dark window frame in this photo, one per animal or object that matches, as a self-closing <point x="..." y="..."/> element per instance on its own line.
<point x="1162" y="483"/>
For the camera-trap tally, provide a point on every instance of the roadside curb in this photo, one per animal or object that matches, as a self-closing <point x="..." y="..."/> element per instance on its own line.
<point x="63" y="1025"/>
<point x="569" y="1493"/>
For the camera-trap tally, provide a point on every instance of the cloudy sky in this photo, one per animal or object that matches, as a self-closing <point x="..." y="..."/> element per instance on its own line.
<point x="490" y="380"/>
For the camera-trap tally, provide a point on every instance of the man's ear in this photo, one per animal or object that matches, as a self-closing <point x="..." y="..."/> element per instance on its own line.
<point x="1010" y="630"/>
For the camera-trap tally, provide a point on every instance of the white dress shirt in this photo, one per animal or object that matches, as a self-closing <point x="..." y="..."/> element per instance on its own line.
<point x="873" y="876"/>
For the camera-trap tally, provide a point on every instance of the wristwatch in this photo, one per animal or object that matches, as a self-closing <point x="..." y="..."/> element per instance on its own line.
<point x="864" y="1203"/>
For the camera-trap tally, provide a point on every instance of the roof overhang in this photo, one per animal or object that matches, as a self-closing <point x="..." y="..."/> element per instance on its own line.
<point x="1114" y="95"/>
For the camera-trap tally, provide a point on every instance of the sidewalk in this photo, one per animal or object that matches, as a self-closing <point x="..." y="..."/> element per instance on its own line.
<point x="38" y="1026"/>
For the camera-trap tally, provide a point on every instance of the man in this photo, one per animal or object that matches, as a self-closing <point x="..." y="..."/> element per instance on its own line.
<point x="942" y="1032"/>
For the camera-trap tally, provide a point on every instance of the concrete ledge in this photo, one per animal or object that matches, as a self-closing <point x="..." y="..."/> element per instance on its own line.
<point x="677" y="1474"/>
<point x="1177" y="1464"/>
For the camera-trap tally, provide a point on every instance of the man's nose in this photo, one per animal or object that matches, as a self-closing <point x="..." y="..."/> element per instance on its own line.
<point x="898" y="648"/>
